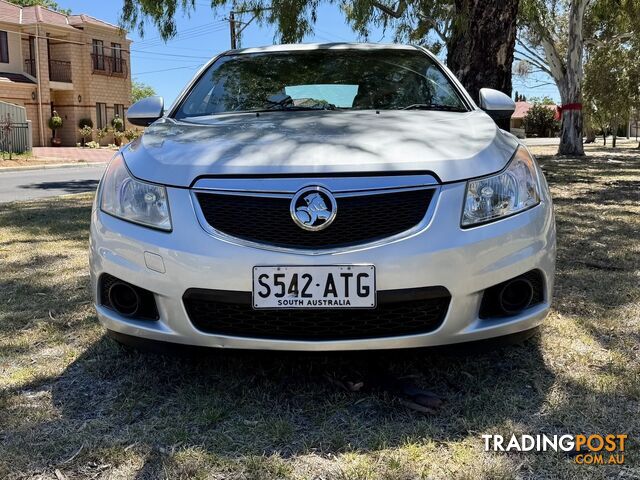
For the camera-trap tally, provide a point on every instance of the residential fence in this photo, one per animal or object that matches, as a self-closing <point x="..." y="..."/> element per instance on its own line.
<point x="17" y="139"/>
<point x="15" y="129"/>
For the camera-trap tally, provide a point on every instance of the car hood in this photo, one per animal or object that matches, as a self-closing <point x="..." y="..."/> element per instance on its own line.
<point x="451" y="145"/>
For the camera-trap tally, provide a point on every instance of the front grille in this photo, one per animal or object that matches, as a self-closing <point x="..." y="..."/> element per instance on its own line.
<point x="360" y="219"/>
<point x="399" y="312"/>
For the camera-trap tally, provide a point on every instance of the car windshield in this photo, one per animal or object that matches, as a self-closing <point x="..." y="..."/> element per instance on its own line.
<point x="324" y="79"/>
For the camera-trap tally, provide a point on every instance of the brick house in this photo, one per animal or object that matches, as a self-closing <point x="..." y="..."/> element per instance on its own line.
<point x="76" y="65"/>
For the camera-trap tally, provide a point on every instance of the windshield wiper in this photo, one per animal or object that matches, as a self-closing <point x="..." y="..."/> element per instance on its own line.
<point x="433" y="106"/>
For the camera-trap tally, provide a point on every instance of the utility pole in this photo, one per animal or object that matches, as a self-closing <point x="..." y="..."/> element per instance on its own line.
<point x="232" y="30"/>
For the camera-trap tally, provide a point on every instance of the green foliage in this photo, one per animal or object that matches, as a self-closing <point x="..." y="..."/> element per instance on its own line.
<point x="610" y="86"/>
<point x="542" y="100"/>
<point x="85" y="122"/>
<point x="132" y="133"/>
<point x="92" y="144"/>
<point x="141" y="90"/>
<point x="55" y="122"/>
<point x="102" y="132"/>
<point x="412" y="20"/>
<point x="86" y="132"/>
<point x="117" y="123"/>
<point x="50" y="4"/>
<point x="540" y="120"/>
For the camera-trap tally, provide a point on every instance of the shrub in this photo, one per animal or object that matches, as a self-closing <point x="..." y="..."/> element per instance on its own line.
<point x="93" y="144"/>
<point x="85" y="122"/>
<point x="132" y="133"/>
<point x="55" y="122"/>
<point x="118" y="136"/>
<point x="101" y="133"/>
<point x="117" y="123"/>
<point x="85" y="132"/>
<point x="540" y="120"/>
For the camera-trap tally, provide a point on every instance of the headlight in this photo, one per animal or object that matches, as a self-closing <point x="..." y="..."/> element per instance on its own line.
<point x="513" y="190"/>
<point x="129" y="199"/>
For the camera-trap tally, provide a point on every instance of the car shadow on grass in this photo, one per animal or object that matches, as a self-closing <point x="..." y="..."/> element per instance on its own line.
<point x="238" y="404"/>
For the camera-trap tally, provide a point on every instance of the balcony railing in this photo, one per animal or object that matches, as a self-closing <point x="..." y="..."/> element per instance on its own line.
<point x="107" y="65"/>
<point x="59" y="71"/>
<point x="30" y="66"/>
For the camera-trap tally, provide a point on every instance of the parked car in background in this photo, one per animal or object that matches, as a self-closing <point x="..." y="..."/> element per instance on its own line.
<point x="323" y="197"/>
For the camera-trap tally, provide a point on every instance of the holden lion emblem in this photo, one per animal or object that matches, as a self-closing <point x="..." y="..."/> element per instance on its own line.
<point x="313" y="208"/>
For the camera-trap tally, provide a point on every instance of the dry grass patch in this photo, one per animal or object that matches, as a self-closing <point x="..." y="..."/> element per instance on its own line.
<point x="72" y="401"/>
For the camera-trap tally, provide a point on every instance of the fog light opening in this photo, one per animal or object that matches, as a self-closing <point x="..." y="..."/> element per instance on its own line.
<point x="515" y="296"/>
<point x="124" y="299"/>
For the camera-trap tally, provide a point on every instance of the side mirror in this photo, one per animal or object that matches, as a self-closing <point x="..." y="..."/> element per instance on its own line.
<point x="497" y="105"/>
<point x="146" y="111"/>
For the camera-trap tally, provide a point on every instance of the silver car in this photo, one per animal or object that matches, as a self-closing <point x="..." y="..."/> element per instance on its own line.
<point x="323" y="197"/>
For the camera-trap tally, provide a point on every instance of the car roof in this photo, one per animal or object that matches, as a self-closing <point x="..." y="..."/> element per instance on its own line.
<point x="297" y="47"/>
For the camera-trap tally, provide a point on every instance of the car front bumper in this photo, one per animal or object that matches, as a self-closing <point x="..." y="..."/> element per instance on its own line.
<point x="464" y="261"/>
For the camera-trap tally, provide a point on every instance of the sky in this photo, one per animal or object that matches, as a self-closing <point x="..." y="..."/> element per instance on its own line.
<point x="168" y="67"/>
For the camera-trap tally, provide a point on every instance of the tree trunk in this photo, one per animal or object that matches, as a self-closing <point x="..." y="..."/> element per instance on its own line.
<point x="480" y="50"/>
<point x="571" y="138"/>
<point x="568" y="75"/>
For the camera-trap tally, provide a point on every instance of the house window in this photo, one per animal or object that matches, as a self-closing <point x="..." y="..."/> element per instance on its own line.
<point x="4" y="48"/>
<point x="116" y="54"/>
<point x="101" y="115"/>
<point x="30" y="63"/>
<point x="98" y="54"/>
<point x="118" y="109"/>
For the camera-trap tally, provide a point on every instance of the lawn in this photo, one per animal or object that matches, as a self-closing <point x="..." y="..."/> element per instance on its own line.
<point x="75" y="405"/>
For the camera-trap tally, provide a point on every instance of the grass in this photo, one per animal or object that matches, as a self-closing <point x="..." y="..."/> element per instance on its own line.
<point x="74" y="405"/>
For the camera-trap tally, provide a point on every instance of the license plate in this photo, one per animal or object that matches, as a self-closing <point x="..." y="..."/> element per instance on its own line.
<point x="326" y="286"/>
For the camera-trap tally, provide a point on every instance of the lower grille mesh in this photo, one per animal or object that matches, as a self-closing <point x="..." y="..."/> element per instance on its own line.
<point x="399" y="312"/>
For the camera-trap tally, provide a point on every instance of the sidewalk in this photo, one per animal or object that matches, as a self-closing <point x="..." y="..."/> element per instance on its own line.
<point x="73" y="154"/>
<point x="46" y="157"/>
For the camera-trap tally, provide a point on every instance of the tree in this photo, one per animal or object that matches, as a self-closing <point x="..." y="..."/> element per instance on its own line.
<point x="608" y="87"/>
<point x="141" y="90"/>
<point x="552" y="38"/>
<point x="542" y="100"/>
<point x="540" y="120"/>
<point x="553" y="41"/>
<point x="479" y="35"/>
<point x="50" y="4"/>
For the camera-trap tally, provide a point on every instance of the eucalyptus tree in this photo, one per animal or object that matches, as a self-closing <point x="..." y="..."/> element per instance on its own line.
<point x="608" y="87"/>
<point x="478" y="35"/>
<point x="552" y="38"/>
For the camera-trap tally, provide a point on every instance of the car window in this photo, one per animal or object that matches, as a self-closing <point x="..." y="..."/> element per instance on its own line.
<point x="339" y="95"/>
<point x="319" y="79"/>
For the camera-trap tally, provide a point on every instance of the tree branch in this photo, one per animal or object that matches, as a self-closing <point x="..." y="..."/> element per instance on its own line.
<point x="542" y="66"/>
<point x="602" y="43"/>
<point x="442" y="34"/>
<point x="531" y="51"/>
<point x="402" y="6"/>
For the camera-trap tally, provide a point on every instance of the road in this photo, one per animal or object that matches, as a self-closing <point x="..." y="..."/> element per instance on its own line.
<point x="31" y="184"/>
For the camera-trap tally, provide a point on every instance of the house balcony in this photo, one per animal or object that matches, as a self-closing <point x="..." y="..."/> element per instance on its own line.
<point x="110" y="66"/>
<point x="59" y="71"/>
